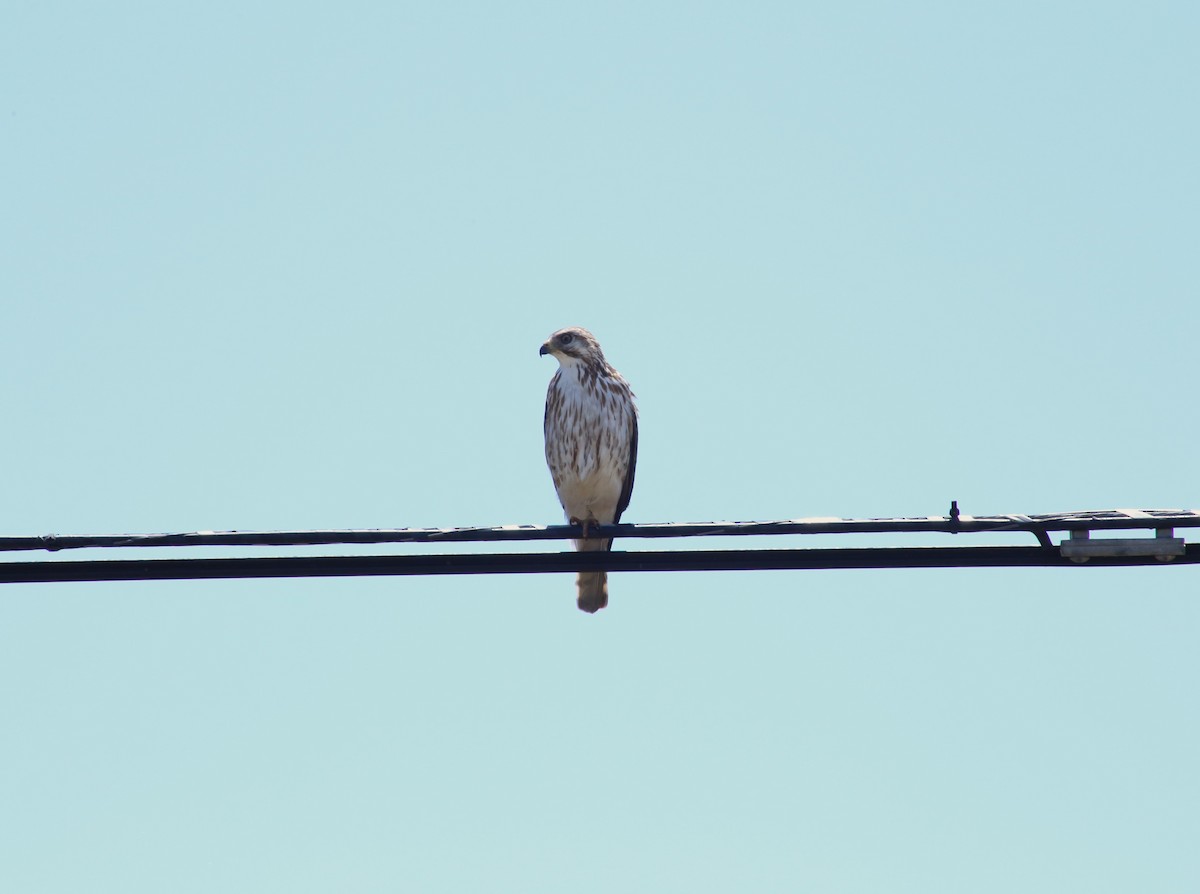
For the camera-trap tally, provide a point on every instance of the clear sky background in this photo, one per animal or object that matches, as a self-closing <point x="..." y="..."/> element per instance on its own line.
<point x="289" y="265"/>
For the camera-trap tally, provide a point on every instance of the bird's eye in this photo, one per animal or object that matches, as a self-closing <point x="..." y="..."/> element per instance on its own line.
<point x="566" y="338"/>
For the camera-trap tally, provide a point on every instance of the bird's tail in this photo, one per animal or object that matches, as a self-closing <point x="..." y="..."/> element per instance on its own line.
<point x="592" y="585"/>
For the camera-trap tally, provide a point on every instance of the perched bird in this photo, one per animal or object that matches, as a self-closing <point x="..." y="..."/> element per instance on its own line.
<point x="591" y="445"/>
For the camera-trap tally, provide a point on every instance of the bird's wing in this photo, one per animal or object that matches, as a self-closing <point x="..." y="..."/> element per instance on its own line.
<point x="627" y="486"/>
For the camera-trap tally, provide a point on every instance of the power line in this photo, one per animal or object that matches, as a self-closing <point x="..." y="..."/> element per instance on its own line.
<point x="1161" y="548"/>
<point x="549" y="563"/>
<point x="955" y="523"/>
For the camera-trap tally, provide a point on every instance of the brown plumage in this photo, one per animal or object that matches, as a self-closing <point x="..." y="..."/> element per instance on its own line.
<point x="591" y="445"/>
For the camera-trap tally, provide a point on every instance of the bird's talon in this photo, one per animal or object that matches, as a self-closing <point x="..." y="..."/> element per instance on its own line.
<point x="584" y="523"/>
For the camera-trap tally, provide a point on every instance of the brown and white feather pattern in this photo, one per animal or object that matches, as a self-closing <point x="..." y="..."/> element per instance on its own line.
<point x="591" y="444"/>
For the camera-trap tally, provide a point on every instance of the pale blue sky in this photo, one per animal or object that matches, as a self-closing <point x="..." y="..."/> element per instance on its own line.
<point x="289" y="267"/>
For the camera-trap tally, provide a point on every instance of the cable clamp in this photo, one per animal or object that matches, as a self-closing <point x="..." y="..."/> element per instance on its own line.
<point x="1164" y="546"/>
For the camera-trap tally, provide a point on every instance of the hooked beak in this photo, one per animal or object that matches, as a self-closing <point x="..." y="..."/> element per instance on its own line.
<point x="544" y="349"/>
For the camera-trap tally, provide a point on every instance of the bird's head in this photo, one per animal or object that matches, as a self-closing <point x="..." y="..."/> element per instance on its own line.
<point x="573" y="345"/>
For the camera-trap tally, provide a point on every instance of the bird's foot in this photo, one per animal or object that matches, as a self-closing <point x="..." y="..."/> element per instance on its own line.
<point x="585" y="523"/>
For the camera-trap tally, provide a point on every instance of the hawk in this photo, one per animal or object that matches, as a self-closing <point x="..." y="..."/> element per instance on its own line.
<point x="591" y="445"/>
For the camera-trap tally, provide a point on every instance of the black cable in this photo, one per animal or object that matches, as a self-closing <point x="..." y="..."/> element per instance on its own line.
<point x="543" y="563"/>
<point x="1037" y="525"/>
